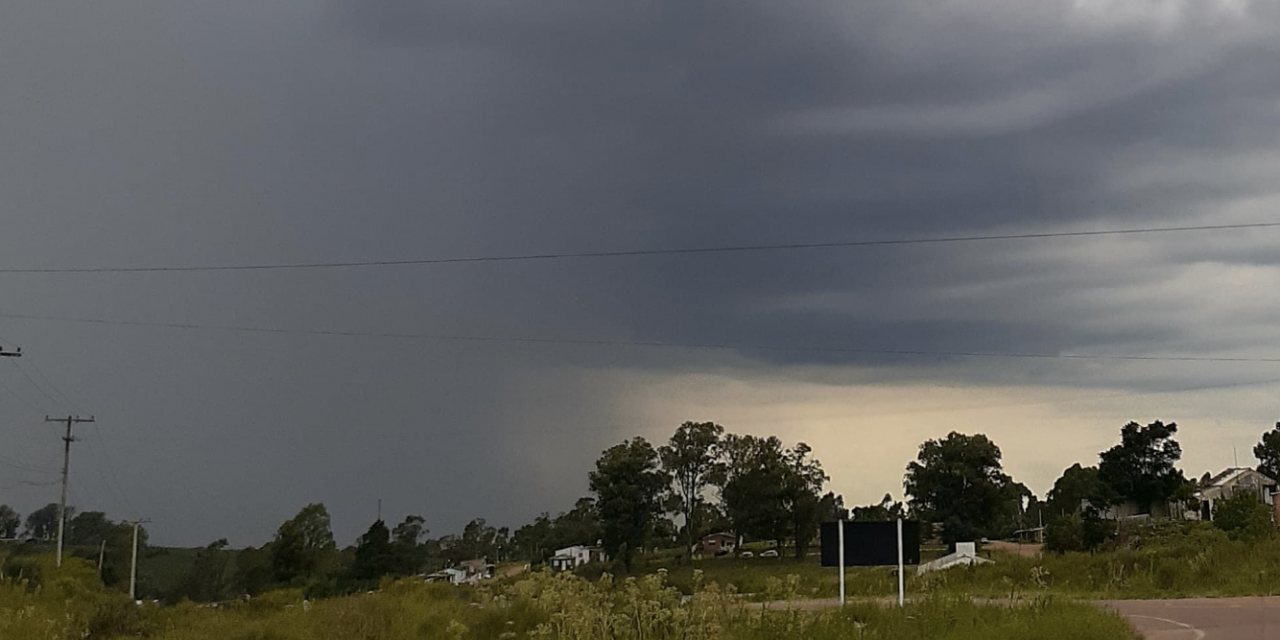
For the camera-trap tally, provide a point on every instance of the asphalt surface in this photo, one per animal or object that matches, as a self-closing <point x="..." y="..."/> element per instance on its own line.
<point x="1204" y="619"/>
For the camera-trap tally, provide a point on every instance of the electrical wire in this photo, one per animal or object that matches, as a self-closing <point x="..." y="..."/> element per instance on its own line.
<point x="645" y="343"/>
<point x="36" y="410"/>
<point x="114" y="482"/>
<point x="66" y="400"/>
<point x="798" y="246"/>
<point x="39" y="388"/>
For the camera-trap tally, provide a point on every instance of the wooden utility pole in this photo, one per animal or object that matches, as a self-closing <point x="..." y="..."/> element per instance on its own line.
<point x="66" y="463"/>
<point x="133" y="567"/>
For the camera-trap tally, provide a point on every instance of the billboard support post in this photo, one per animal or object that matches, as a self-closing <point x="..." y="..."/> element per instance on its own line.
<point x="901" y="577"/>
<point x="840" y="528"/>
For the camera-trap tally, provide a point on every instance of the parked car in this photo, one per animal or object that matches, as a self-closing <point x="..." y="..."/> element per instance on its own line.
<point x="772" y="553"/>
<point x="745" y="554"/>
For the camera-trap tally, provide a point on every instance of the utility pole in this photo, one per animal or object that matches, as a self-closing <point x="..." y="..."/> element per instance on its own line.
<point x="102" y="552"/>
<point x="66" y="463"/>
<point x="133" y="567"/>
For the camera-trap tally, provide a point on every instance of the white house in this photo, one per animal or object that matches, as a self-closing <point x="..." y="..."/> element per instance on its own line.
<point x="1233" y="481"/>
<point x="451" y="575"/>
<point x="573" y="557"/>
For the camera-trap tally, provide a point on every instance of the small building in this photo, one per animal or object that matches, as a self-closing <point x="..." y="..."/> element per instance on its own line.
<point x="1233" y="481"/>
<point x="453" y="576"/>
<point x="477" y="569"/>
<point x="570" y="558"/>
<point x="716" y="544"/>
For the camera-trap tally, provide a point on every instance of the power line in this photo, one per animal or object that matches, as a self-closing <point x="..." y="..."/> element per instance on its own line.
<point x="642" y="343"/>
<point x="20" y="398"/>
<point x="27" y="483"/>
<point x="115" y="479"/>
<point x="797" y="246"/>
<point x="23" y="466"/>
<point x="40" y="374"/>
<point x="39" y="388"/>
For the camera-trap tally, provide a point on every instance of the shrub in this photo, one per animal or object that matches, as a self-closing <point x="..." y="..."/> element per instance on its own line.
<point x="1243" y="515"/>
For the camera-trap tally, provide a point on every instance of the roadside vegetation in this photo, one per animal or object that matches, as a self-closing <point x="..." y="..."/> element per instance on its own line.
<point x="1171" y="560"/>
<point x="38" y="602"/>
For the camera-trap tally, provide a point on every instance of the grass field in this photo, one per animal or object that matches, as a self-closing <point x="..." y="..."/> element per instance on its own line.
<point x="1184" y="560"/>
<point x="66" y="604"/>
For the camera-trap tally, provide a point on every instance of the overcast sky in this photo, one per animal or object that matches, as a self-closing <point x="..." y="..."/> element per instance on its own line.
<point x="240" y="131"/>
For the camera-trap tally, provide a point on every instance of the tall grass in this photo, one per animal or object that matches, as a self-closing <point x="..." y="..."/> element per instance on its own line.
<point x="1190" y="560"/>
<point x="63" y="604"/>
<point x="1170" y="561"/>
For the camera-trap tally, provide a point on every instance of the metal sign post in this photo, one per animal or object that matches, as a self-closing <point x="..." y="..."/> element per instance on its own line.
<point x="840" y="528"/>
<point x="901" y="570"/>
<point x="871" y="544"/>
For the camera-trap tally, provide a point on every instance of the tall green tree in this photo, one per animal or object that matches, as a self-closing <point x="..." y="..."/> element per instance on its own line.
<point x="1078" y="484"/>
<point x="88" y="528"/>
<point x="209" y="578"/>
<point x="1267" y="451"/>
<point x="42" y="524"/>
<point x="692" y="459"/>
<point x="629" y="484"/>
<point x="1142" y="467"/>
<point x="407" y="545"/>
<point x="303" y="545"/>
<point x="119" y="555"/>
<point x="254" y="573"/>
<point x="803" y="480"/>
<point x="887" y="511"/>
<point x="959" y="483"/>
<point x="755" y="489"/>
<point x="9" y="522"/>
<point x="375" y="555"/>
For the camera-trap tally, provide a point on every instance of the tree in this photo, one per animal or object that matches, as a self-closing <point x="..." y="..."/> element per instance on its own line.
<point x="302" y="545"/>
<point x="42" y="524"/>
<point x="254" y="573"/>
<point x="9" y="522"/>
<point x="538" y="540"/>
<point x="1076" y="531"/>
<point x="754" y="489"/>
<point x="959" y="482"/>
<point x="1076" y="486"/>
<point x="1267" y="451"/>
<point x="375" y="555"/>
<point x="1141" y="468"/>
<point x="406" y="545"/>
<point x="88" y="528"/>
<point x="629" y="486"/>
<point x="802" y="496"/>
<point x="886" y="511"/>
<point x="208" y="579"/>
<point x="119" y="554"/>
<point x="692" y="459"/>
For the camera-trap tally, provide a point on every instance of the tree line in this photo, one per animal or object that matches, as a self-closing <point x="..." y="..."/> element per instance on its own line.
<point x="88" y="534"/>
<point x="701" y="480"/>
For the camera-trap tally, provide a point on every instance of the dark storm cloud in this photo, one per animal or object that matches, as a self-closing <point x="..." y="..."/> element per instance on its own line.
<point x="243" y="131"/>
<point x="709" y="124"/>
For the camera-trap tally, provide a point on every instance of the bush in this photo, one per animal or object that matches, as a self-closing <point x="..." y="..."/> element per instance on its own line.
<point x="1076" y="532"/>
<point x="1243" y="515"/>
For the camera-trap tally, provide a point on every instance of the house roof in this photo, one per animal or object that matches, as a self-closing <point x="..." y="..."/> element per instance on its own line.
<point x="721" y="534"/>
<point x="1231" y="475"/>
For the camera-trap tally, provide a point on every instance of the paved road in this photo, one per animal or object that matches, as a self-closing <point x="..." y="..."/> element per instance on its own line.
<point x="1189" y="619"/>
<point x="1204" y="619"/>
